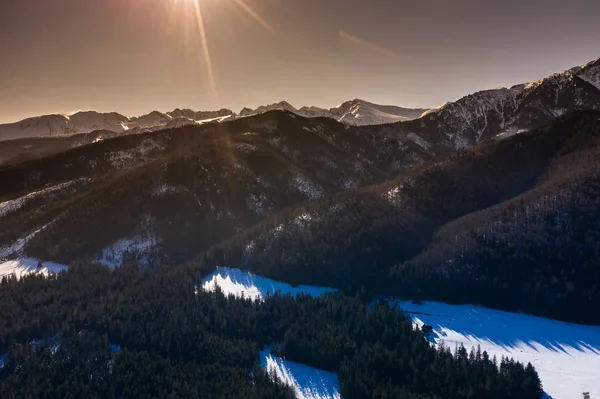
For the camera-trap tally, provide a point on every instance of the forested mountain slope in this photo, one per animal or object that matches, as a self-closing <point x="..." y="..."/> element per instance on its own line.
<point x="146" y="332"/>
<point x="184" y="189"/>
<point x="516" y="218"/>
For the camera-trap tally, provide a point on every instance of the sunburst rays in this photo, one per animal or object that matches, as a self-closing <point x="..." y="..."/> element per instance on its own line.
<point x="205" y="48"/>
<point x="178" y="19"/>
<point x="254" y="15"/>
<point x="345" y="36"/>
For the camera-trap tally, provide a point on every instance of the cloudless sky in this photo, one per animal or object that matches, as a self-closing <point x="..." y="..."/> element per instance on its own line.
<point x="134" y="56"/>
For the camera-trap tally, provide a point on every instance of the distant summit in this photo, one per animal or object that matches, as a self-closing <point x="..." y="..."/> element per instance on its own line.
<point x="458" y="124"/>
<point x="355" y="112"/>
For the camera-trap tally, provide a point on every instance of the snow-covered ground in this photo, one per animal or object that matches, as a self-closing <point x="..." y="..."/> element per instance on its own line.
<point x="308" y="382"/>
<point x="17" y="246"/>
<point x="565" y="355"/>
<point x="23" y="266"/>
<point x="115" y="254"/>
<point x="15" y="204"/>
<point x="243" y="283"/>
<point x="307" y="187"/>
<point x="509" y="133"/>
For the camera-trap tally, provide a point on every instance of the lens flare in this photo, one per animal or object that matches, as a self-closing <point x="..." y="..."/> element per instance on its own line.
<point x="205" y="48"/>
<point x="187" y="18"/>
<point x="366" y="44"/>
<point x="254" y="15"/>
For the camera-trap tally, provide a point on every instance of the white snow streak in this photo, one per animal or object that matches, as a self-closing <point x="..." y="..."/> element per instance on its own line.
<point x="248" y="285"/>
<point x="17" y="246"/>
<point x="15" y="204"/>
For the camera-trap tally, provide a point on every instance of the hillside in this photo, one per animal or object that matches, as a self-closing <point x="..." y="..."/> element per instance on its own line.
<point x="177" y="191"/>
<point x="516" y="217"/>
<point x="506" y="111"/>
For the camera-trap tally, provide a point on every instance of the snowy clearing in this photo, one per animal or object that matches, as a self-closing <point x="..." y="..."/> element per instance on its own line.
<point x="23" y="266"/>
<point x="244" y="283"/>
<point x="308" y="382"/>
<point x="115" y="254"/>
<point x="565" y="355"/>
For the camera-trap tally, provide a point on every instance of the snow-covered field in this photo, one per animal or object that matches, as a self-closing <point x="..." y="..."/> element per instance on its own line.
<point x="308" y="382"/>
<point x="244" y="283"/>
<point x="23" y="266"/>
<point x="566" y="356"/>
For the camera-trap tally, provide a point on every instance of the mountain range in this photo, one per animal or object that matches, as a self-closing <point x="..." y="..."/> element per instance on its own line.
<point x="355" y="112"/>
<point x="428" y="187"/>
<point x="484" y="115"/>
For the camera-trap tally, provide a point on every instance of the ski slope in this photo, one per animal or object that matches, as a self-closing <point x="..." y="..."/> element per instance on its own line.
<point x="565" y="355"/>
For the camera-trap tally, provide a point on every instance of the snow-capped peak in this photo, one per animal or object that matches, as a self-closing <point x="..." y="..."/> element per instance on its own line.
<point x="361" y="112"/>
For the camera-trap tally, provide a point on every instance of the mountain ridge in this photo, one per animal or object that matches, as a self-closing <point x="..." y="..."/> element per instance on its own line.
<point x="462" y="123"/>
<point x="58" y="125"/>
<point x="454" y="230"/>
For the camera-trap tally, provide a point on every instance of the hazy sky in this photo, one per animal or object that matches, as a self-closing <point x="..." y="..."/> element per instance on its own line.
<point x="134" y="56"/>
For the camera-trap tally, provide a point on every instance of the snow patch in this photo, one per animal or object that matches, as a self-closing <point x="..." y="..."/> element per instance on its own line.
<point x="117" y="253"/>
<point x="307" y="382"/>
<point x="15" y="204"/>
<point x="124" y="158"/>
<point x="244" y="148"/>
<point x="314" y="129"/>
<point x="421" y="142"/>
<point x="393" y="195"/>
<point x="303" y="221"/>
<point x="565" y="355"/>
<point x="509" y="133"/>
<point x="349" y="184"/>
<point x="594" y="80"/>
<point x="307" y="187"/>
<point x="257" y="203"/>
<point x="21" y="267"/>
<point x="248" y="285"/>
<point x="17" y="246"/>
